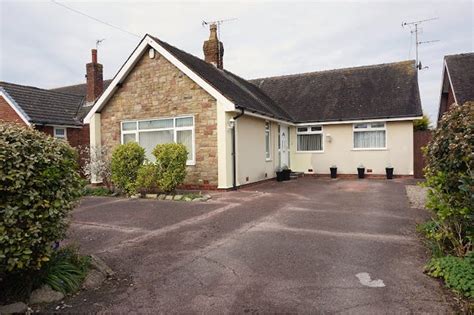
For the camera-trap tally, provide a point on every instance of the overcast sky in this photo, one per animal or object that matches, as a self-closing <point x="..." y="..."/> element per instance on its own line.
<point x="46" y="45"/>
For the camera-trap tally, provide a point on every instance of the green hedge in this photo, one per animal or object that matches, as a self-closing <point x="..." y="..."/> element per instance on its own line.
<point x="450" y="177"/>
<point x="171" y="165"/>
<point x="126" y="160"/>
<point x="39" y="182"/>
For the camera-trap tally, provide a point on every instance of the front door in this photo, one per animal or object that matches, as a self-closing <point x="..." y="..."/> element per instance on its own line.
<point x="284" y="149"/>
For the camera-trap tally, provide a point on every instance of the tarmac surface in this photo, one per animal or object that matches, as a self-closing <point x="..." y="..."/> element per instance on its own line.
<point x="308" y="245"/>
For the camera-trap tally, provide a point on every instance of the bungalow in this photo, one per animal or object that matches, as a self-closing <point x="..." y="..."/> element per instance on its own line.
<point x="239" y="132"/>
<point x="457" y="82"/>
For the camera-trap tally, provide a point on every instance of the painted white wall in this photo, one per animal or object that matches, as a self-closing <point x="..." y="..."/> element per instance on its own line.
<point x="224" y="147"/>
<point x="339" y="151"/>
<point x="251" y="163"/>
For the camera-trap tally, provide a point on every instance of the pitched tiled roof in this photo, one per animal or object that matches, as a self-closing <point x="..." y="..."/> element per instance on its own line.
<point x="78" y="89"/>
<point x="45" y="106"/>
<point x="369" y="92"/>
<point x="461" y="73"/>
<point x="238" y="90"/>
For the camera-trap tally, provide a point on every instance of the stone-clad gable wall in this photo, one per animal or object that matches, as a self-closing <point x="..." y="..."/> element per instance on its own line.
<point x="155" y="88"/>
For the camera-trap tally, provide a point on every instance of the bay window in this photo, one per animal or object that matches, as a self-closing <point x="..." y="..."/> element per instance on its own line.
<point x="309" y="139"/>
<point x="150" y="133"/>
<point x="369" y="135"/>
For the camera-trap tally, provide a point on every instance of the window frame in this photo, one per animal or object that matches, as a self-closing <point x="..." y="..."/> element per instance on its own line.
<point x="369" y="128"/>
<point x="175" y="130"/>
<point x="55" y="135"/>
<point x="268" y="137"/>
<point x="310" y="132"/>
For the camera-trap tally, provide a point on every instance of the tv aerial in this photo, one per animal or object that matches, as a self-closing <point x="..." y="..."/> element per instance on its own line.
<point x="415" y="29"/>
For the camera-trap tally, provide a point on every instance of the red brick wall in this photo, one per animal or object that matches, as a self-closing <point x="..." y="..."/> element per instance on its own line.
<point x="7" y="113"/>
<point x="75" y="136"/>
<point x="78" y="136"/>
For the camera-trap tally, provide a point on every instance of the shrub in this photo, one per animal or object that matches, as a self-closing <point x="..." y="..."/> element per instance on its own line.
<point x="126" y="160"/>
<point x="457" y="273"/>
<point x="450" y="177"/>
<point x="97" y="162"/>
<point x="171" y="164"/>
<point x="96" y="191"/>
<point x="39" y="185"/>
<point x="65" y="271"/>
<point x="147" y="178"/>
<point x="422" y="124"/>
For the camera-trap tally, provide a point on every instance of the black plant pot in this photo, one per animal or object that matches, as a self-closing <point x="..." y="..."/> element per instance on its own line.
<point x="389" y="172"/>
<point x="280" y="176"/>
<point x="361" y="172"/>
<point x="333" y="172"/>
<point x="286" y="174"/>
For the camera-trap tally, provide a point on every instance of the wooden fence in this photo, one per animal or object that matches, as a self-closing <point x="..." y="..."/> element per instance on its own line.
<point x="420" y="139"/>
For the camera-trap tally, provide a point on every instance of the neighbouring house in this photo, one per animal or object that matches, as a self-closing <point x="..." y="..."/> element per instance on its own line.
<point x="457" y="81"/>
<point x="58" y="112"/>
<point x="241" y="131"/>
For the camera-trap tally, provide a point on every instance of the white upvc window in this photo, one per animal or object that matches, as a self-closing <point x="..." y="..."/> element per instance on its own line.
<point x="370" y="136"/>
<point x="268" y="154"/>
<point x="60" y="132"/>
<point x="149" y="133"/>
<point x="310" y="139"/>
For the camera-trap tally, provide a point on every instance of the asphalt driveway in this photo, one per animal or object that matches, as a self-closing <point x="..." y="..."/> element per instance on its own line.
<point x="310" y="245"/>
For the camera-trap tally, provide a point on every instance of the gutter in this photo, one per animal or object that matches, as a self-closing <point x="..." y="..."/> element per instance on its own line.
<point x="234" y="155"/>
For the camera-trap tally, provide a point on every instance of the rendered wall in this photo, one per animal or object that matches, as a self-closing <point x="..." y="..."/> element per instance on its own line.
<point x="340" y="152"/>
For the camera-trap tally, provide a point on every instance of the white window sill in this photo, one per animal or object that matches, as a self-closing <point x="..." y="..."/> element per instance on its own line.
<point x="369" y="149"/>
<point x="190" y="163"/>
<point x="268" y="160"/>
<point x="311" y="152"/>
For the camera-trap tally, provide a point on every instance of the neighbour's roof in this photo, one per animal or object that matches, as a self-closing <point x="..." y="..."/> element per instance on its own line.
<point x="461" y="73"/>
<point x="241" y="92"/>
<point x="78" y="89"/>
<point x="45" y="106"/>
<point x="369" y="92"/>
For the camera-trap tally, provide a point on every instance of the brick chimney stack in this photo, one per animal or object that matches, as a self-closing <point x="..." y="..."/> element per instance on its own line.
<point x="95" y="79"/>
<point x="213" y="48"/>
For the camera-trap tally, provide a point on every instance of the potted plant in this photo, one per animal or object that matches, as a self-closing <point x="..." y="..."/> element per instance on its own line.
<point x="333" y="170"/>
<point x="389" y="171"/>
<point x="280" y="175"/>
<point x="361" y="170"/>
<point x="286" y="172"/>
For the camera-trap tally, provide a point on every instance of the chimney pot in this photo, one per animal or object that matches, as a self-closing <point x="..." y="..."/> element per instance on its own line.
<point x="94" y="55"/>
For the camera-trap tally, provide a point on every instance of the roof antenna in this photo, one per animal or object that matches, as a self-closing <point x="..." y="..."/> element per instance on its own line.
<point x="98" y="42"/>
<point x="414" y="29"/>
<point x="218" y="24"/>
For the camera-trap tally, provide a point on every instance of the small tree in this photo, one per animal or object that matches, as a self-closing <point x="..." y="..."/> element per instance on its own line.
<point x="422" y="124"/>
<point x="97" y="162"/>
<point x="126" y="160"/>
<point x="171" y="163"/>
<point x="450" y="176"/>
<point x="39" y="184"/>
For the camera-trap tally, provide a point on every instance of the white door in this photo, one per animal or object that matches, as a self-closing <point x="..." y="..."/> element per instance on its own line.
<point x="284" y="150"/>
